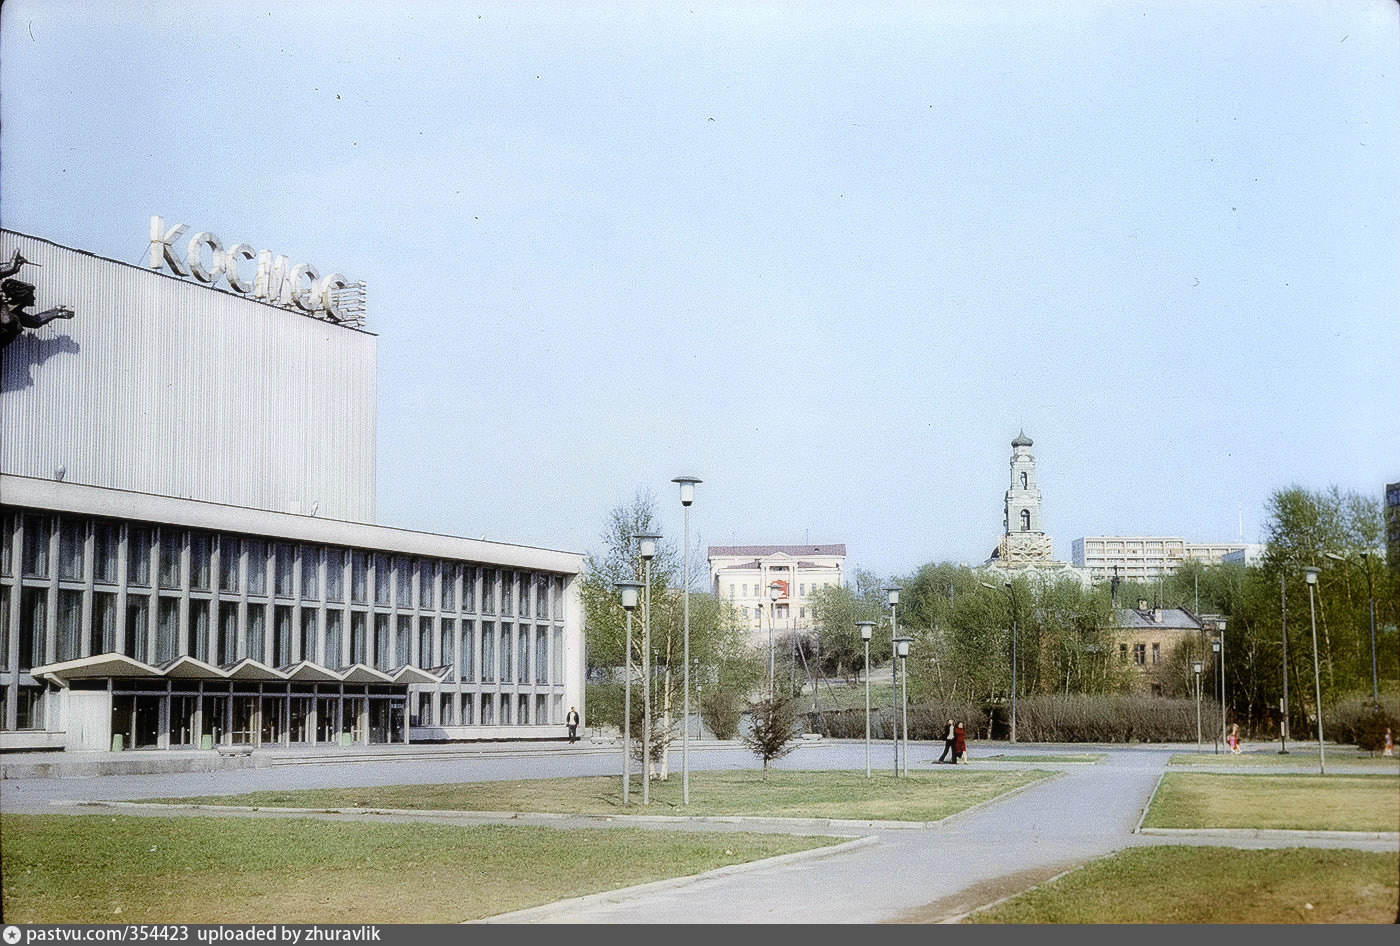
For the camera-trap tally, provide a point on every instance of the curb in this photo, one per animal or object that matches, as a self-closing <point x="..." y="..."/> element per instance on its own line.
<point x="1137" y="828"/>
<point x="544" y="911"/>
<point x="1272" y="834"/>
<point x="494" y="816"/>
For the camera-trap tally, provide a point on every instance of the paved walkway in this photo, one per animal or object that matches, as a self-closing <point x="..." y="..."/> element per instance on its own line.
<point x="908" y="874"/>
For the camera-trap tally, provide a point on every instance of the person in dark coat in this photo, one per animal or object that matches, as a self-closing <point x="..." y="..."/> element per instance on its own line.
<point x="948" y="744"/>
<point x="959" y="744"/>
<point x="572" y="721"/>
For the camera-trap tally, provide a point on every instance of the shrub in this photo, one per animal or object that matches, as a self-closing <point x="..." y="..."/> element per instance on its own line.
<point x="774" y="728"/>
<point x="722" y="710"/>
<point x="1357" y="720"/>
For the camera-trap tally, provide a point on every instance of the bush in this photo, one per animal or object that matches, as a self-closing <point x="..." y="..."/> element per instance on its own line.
<point x="1358" y="721"/>
<point x="722" y="711"/>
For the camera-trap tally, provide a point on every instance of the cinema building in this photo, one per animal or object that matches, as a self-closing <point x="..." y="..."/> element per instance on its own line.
<point x="187" y="554"/>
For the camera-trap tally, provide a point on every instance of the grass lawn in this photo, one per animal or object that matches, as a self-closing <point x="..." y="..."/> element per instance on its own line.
<point x="1174" y="884"/>
<point x="1295" y="757"/>
<point x="103" y="869"/>
<point x="1297" y="802"/>
<point x="922" y="796"/>
<point x="1065" y="757"/>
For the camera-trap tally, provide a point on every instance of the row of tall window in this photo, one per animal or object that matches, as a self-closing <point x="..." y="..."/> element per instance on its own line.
<point x="179" y="560"/>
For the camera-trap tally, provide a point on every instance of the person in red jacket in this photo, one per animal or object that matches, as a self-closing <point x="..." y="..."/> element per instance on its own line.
<point x="960" y="743"/>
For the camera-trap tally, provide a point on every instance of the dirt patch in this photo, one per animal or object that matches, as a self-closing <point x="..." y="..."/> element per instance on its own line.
<point x="980" y="895"/>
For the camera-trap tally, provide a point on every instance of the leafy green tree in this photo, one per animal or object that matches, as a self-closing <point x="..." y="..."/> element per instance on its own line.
<point x="773" y="730"/>
<point x="835" y="611"/>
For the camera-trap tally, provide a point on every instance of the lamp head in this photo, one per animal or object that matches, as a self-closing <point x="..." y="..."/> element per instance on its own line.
<point x="893" y="592"/>
<point x="629" y="591"/>
<point x="1215" y="646"/>
<point x="1335" y="557"/>
<point x="648" y="541"/>
<point x="1196" y="666"/>
<point x="1220" y="625"/>
<point x="901" y="646"/>
<point x="775" y="591"/>
<point x="1310" y="573"/>
<point x="866" y="627"/>
<point x="687" y="484"/>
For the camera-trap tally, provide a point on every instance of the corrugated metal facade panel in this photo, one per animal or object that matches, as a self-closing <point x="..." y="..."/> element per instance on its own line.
<point x="161" y="385"/>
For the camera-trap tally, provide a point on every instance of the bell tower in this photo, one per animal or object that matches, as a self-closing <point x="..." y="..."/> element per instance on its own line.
<point x="1024" y="541"/>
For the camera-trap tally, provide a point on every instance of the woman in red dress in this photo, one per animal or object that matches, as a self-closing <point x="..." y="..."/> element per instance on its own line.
<point x="959" y="744"/>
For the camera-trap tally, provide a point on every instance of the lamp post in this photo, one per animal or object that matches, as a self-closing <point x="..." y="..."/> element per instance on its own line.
<point x="1196" y="667"/>
<point x="893" y="592"/>
<point x="629" y="604"/>
<point x="687" y="485"/>
<point x="1220" y="626"/>
<point x="1010" y="593"/>
<point x="1371" y="606"/>
<point x="648" y="544"/>
<point x="901" y="648"/>
<point x="775" y="591"/>
<point x="1215" y="649"/>
<point x="1310" y="574"/>
<point x="1283" y="633"/>
<point x="865" y="629"/>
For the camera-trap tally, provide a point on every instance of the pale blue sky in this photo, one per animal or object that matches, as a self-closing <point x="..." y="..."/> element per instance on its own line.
<point x="828" y="257"/>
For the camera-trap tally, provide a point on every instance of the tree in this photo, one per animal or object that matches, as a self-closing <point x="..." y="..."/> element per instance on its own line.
<point x="835" y="611"/>
<point x="773" y="733"/>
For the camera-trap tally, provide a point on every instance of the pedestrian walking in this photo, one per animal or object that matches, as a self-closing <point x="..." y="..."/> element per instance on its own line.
<point x="1233" y="740"/>
<point x="1388" y="749"/>
<point x="572" y="721"/>
<point x="948" y="745"/>
<point x="960" y="744"/>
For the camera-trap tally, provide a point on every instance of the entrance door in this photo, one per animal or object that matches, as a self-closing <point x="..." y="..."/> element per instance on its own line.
<point x="182" y="710"/>
<point x="327" y="719"/>
<point x="215" y="719"/>
<point x="299" y="726"/>
<point x="274" y="720"/>
<point x="245" y="709"/>
<point x="352" y="719"/>
<point x="147" y="734"/>
<point x="378" y="721"/>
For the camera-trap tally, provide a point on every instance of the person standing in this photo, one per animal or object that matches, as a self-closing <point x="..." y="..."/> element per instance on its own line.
<point x="1234" y="739"/>
<point x="948" y="734"/>
<point x="960" y="744"/>
<point x="572" y="721"/>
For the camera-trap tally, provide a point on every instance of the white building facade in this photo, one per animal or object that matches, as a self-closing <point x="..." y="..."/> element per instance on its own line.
<point x="187" y="551"/>
<point x="745" y="576"/>
<point x="1140" y="557"/>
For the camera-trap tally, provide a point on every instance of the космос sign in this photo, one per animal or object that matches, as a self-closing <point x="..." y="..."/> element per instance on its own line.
<point x="275" y="279"/>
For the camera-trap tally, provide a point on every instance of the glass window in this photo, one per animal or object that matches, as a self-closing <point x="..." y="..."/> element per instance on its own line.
<point x="331" y="650"/>
<point x="381" y="641"/>
<point x="167" y="628"/>
<point x="282" y="629"/>
<point x="228" y="564"/>
<point x="488" y="709"/>
<point x="541" y="654"/>
<point x="403" y="581"/>
<point x="359" y="632"/>
<point x="106" y="545"/>
<point x="507" y="592"/>
<point x="381" y="579"/>
<point x="446" y="640"/>
<point x="138" y="556"/>
<point x="257" y="626"/>
<point x="1156" y="654"/>
<point x="1139" y="654"/>
<point x="425" y="643"/>
<point x="7" y="538"/>
<point x="200" y="561"/>
<point x="138" y="622"/>
<point x="448" y="718"/>
<point x="522" y="657"/>
<point x="469" y="588"/>
<point x="35" y="562"/>
<point x="284" y="558"/>
<point x="542" y="585"/>
<point x="505" y="709"/>
<point x="72" y="536"/>
<point x="171" y="545"/>
<point x="228" y="634"/>
<point x="359" y="577"/>
<point x="522" y="715"/>
<point x="335" y="575"/>
<point x="310" y="557"/>
<point x="256" y="550"/>
<point x="466" y="653"/>
<point x="449" y="587"/>
<point x="504" y="651"/>
<point x="33" y="627"/>
<point x="523" y="585"/>
<point x="70" y="621"/>
<point x="558" y="655"/>
<point x="309" y="636"/>
<point x="104" y="623"/>
<point x="199" y="629"/>
<point x="488" y="591"/>
<point x="488" y="652"/>
<point x="427" y="571"/>
<point x="403" y="640"/>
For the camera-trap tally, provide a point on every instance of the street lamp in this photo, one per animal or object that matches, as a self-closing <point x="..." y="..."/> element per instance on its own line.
<point x="1371" y="605"/>
<point x="1215" y="649"/>
<point x="648" y="550"/>
<point x="893" y="592"/>
<point x="865" y="630"/>
<point x="687" y="485"/>
<point x="1220" y="626"/>
<point x="775" y="591"/>
<point x="1283" y="634"/>
<point x="1010" y="593"/>
<point x="629" y="604"/>
<point x="901" y="649"/>
<point x="1196" y="668"/>
<point x="1310" y="574"/>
